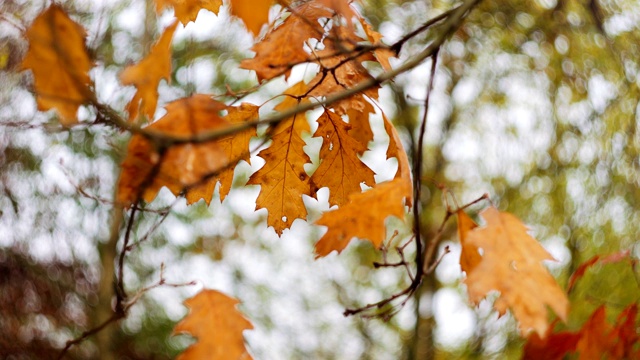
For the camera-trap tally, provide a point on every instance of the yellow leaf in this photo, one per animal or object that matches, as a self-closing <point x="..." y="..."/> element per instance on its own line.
<point x="511" y="264"/>
<point x="187" y="10"/>
<point x="254" y="13"/>
<point x="60" y="64"/>
<point x="214" y="320"/>
<point x="363" y="217"/>
<point x="146" y="76"/>
<point x="469" y="256"/>
<point x="147" y="169"/>
<point x="341" y="170"/>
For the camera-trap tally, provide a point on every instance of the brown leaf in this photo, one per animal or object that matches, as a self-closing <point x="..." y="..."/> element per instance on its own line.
<point x="60" y="63"/>
<point x="363" y="217"/>
<point x="214" y="320"/>
<point x="146" y="76"/>
<point x="187" y="10"/>
<point x="469" y="256"/>
<point x="283" y="179"/>
<point x="147" y="169"/>
<point x="253" y="13"/>
<point x="511" y="264"/>
<point x="341" y="170"/>
<point x="283" y="47"/>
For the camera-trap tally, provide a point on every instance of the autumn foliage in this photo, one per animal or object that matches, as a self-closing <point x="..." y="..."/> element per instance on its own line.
<point x="194" y="147"/>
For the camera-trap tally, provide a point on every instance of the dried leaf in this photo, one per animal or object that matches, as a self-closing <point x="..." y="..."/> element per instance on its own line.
<point x="363" y="217"/>
<point x="383" y="54"/>
<point x="283" y="179"/>
<point x="187" y="10"/>
<point x="358" y="115"/>
<point x="147" y="169"/>
<point x="214" y="320"/>
<point x="284" y="47"/>
<point x="341" y="170"/>
<point x="60" y="63"/>
<point x="253" y="13"/>
<point x="511" y="264"/>
<point x="236" y="147"/>
<point x="396" y="150"/>
<point x="146" y="76"/>
<point x="469" y="256"/>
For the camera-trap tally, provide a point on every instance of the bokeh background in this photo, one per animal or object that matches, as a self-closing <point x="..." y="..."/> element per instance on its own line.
<point x="535" y="103"/>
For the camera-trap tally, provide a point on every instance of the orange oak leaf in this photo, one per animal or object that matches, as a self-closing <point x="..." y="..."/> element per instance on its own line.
<point x="469" y="256"/>
<point x="216" y="323"/>
<point x="283" y="179"/>
<point x="626" y="334"/>
<point x="283" y="47"/>
<point x="146" y="169"/>
<point x="60" y="63"/>
<point x="358" y="114"/>
<point x="365" y="214"/>
<point x="341" y="68"/>
<point x="341" y="170"/>
<point x="396" y="150"/>
<point x="375" y="38"/>
<point x="235" y="147"/>
<point x="340" y="7"/>
<point x="511" y="264"/>
<point x="187" y="10"/>
<point x="146" y="76"/>
<point x="363" y="217"/>
<point x="253" y="13"/>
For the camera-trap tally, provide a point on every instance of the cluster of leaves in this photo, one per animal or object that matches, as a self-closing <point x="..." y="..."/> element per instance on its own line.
<point x="194" y="148"/>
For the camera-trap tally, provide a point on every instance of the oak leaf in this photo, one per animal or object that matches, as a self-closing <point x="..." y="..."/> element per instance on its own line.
<point x="283" y="179"/>
<point x="341" y="170"/>
<point x="235" y="147"/>
<point x="341" y="68"/>
<point x="511" y="264"/>
<point x="469" y="256"/>
<point x="358" y="114"/>
<point x="187" y="10"/>
<point x="147" y="168"/>
<point x="383" y="54"/>
<point x="253" y="13"/>
<point x="146" y="76"/>
<point x="216" y="323"/>
<point x="365" y="215"/>
<point x="283" y="47"/>
<point x="60" y="63"/>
